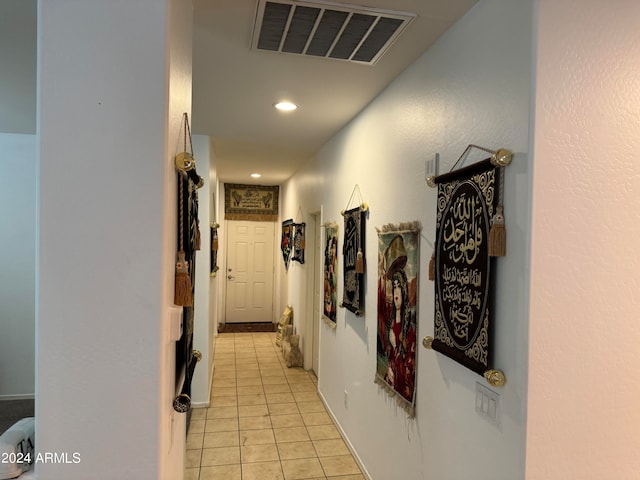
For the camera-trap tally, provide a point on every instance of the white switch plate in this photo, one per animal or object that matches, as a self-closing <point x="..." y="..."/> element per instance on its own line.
<point x="488" y="404"/>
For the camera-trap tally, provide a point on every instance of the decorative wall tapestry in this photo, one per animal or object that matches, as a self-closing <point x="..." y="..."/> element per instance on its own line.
<point x="298" y="242"/>
<point x="258" y="203"/>
<point x="398" y="267"/>
<point x="188" y="182"/>
<point x="286" y="242"/>
<point x="467" y="201"/>
<point x="353" y="254"/>
<point x="330" y="288"/>
<point x="214" y="249"/>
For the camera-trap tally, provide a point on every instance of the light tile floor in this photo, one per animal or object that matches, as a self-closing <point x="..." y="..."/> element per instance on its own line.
<point x="265" y="421"/>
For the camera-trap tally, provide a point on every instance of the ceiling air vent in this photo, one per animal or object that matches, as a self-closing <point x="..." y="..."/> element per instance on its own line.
<point x="326" y="29"/>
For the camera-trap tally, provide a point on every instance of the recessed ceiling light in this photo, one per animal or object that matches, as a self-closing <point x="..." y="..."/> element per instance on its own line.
<point x="255" y="175"/>
<point x="285" y="106"/>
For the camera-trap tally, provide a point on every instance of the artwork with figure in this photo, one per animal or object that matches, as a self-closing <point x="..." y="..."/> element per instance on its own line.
<point x="298" y="242"/>
<point x="330" y="272"/>
<point x="286" y="243"/>
<point x="398" y="267"/>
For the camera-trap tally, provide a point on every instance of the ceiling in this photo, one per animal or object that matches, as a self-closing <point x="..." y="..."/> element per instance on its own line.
<point x="235" y="85"/>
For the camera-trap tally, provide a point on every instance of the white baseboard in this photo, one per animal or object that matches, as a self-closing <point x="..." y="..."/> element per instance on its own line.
<point x="26" y="396"/>
<point x="353" y="451"/>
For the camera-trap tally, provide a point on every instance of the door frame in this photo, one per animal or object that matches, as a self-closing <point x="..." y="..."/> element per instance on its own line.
<point x="313" y="278"/>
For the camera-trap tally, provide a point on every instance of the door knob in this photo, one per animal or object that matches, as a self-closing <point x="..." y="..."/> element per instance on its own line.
<point x="230" y="277"/>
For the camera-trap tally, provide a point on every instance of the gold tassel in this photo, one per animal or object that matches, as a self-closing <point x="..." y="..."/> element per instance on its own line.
<point x="432" y="267"/>
<point x="198" y="238"/>
<point x="498" y="235"/>
<point x="360" y="262"/>
<point x="183" y="294"/>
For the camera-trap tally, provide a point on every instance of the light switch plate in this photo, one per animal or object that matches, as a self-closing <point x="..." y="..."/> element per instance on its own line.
<point x="488" y="404"/>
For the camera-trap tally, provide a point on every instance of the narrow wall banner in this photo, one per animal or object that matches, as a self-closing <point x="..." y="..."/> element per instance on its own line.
<point x="330" y="302"/>
<point x="258" y="203"/>
<point x="398" y="267"/>
<point x="298" y="242"/>
<point x="353" y="252"/>
<point x="467" y="200"/>
<point x="286" y="243"/>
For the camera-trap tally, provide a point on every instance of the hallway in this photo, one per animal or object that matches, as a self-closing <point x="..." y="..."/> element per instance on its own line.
<point x="265" y="421"/>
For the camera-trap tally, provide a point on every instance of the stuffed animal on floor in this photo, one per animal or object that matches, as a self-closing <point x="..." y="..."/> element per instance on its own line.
<point x="293" y="356"/>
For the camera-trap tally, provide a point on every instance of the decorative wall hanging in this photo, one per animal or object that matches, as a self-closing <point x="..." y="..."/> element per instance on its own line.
<point x="330" y="289"/>
<point x="188" y="183"/>
<point x="353" y="253"/>
<point x="298" y="242"/>
<point x="469" y="206"/>
<point x="286" y="241"/>
<point x="398" y="267"/>
<point x="214" y="249"/>
<point x="258" y="203"/>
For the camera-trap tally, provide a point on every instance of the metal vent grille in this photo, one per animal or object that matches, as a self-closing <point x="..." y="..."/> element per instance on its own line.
<point x="325" y="29"/>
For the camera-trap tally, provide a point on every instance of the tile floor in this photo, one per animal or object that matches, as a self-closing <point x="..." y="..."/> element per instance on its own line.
<point x="265" y="421"/>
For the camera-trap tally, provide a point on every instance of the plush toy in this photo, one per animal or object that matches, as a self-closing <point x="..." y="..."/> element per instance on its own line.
<point x="293" y="356"/>
<point x="285" y="346"/>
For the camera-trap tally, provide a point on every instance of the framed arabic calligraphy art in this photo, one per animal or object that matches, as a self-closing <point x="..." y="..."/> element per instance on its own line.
<point x="464" y="270"/>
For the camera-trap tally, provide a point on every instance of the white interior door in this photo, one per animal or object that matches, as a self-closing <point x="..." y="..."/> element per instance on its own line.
<point x="249" y="275"/>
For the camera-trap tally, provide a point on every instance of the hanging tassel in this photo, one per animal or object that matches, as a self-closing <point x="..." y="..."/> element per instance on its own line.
<point x="198" y="238"/>
<point x="498" y="235"/>
<point x="183" y="293"/>
<point x="432" y="267"/>
<point x="360" y="262"/>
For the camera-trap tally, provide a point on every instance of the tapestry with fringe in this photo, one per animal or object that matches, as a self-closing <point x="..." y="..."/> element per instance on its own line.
<point x="286" y="243"/>
<point x="258" y="203"/>
<point x="353" y="254"/>
<point x="330" y="302"/>
<point x="398" y="267"/>
<point x="298" y="242"/>
<point x="467" y="200"/>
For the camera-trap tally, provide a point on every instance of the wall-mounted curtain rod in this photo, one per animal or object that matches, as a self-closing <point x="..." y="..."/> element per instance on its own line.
<point x="499" y="158"/>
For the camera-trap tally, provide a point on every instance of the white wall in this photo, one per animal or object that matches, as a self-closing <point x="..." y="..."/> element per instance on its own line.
<point x="204" y="301"/>
<point x="473" y="86"/>
<point x="109" y="117"/>
<point x="18" y="33"/>
<point x="584" y="387"/>
<point x="18" y="271"/>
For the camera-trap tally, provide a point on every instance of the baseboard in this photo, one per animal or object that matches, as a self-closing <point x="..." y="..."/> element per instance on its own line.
<point x="353" y="451"/>
<point x="26" y="396"/>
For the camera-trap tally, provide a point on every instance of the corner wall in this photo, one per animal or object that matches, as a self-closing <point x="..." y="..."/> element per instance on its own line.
<point x="584" y="392"/>
<point x="114" y="79"/>
<point x="472" y="87"/>
<point x="18" y="260"/>
<point x="205" y="300"/>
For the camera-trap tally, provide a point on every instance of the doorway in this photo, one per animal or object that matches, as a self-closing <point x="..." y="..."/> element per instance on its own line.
<point x="249" y="275"/>
<point x="315" y="284"/>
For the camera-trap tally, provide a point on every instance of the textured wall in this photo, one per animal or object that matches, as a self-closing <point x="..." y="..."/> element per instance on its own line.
<point x="18" y="264"/>
<point x="473" y="86"/>
<point x="584" y="387"/>
<point x="110" y="111"/>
